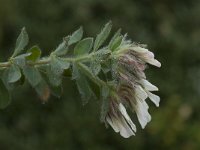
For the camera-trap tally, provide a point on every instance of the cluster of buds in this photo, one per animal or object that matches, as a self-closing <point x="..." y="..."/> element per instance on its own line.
<point x="133" y="89"/>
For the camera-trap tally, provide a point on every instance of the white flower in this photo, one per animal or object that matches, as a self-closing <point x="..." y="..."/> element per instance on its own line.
<point x="132" y="91"/>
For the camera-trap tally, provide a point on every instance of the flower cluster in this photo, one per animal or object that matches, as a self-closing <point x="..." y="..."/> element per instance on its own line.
<point x="132" y="91"/>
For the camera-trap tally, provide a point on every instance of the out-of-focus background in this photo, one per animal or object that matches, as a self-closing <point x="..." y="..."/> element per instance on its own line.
<point x="171" y="28"/>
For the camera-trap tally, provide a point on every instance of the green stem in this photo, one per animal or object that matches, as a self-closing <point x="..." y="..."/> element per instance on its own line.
<point x="47" y="60"/>
<point x="94" y="78"/>
<point x="78" y="60"/>
<point x="89" y="74"/>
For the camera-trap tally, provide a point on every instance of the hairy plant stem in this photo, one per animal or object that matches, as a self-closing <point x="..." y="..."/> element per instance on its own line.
<point x="79" y="60"/>
<point x="46" y="60"/>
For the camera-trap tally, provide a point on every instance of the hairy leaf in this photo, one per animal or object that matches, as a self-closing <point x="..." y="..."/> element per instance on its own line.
<point x="116" y="35"/>
<point x="116" y="43"/>
<point x="102" y="36"/>
<point x="62" y="48"/>
<point x="84" y="88"/>
<point x="54" y="79"/>
<point x="5" y="75"/>
<point x="105" y="102"/>
<point x="57" y="67"/>
<point x="76" y="36"/>
<point x="14" y="74"/>
<point x="83" y="47"/>
<point x="32" y="75"/>
<point x="75" y="71"/>
<point x="21" y="42"/>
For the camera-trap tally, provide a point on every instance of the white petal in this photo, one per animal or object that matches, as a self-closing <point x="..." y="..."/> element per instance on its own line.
<point x="154" y="98"/>
<point x="112" y="124"/>
<point x="140" y="93"/>
<point x="126" y="116"/>
<point x="148" y="86"/>
<point x="149" y="55"/>
<point x="155" y="63"/>
<point x="149" y="58"/>
<point x="125" y="130"/>
<point x="142" y="113"/>
<point x="152" y="61"/>
<point x="139" y="49"/>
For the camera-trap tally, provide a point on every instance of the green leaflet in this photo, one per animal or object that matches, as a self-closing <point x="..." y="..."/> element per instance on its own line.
<point x="32" y="75"/>
<point x="105" y="102"/>
<point x="37" y="82"/>
<point x="75" y="71"/>
<point x="35" y="53"/>
<point x="54" y="79"/>
<point x="82" y="84"/>
<point x="62" y="48"/>
<point x="84" y="89"/>
<point x="56" y="69"/>
<point x="5" y="79"/>
<point x="112" y="41"/>
<point x="83" y="47"/>
<point x="4" y="96"/>
<point x="102" y="36"/>
<point x="76" y="36"/>
<point x="54" y="90"/>
<point x="21" y="42"/>
<point x="58" y="65"/>
<point x="116" y="43"/>
<point x="14" y="74"/>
